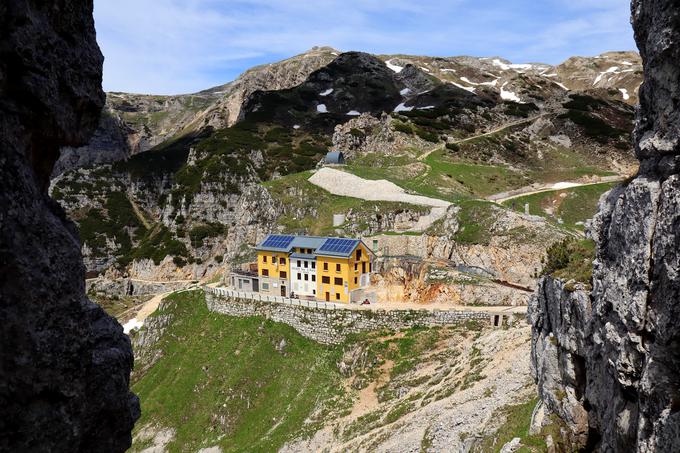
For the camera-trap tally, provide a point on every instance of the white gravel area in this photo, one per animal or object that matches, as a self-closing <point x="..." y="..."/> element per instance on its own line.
<point x="348" y="185"/>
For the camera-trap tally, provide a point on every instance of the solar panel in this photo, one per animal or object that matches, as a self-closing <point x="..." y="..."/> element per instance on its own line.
<point x="335" y="245"/>
<point x="278" y="242"/>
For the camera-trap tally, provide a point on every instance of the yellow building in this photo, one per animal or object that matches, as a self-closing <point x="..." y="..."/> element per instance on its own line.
<point x="324" y="268"/>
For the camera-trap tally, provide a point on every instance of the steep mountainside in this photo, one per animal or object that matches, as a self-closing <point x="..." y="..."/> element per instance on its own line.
<point x="194" y="203"/>
<point x="134" y="123"/>
<point x="606" y="360"/>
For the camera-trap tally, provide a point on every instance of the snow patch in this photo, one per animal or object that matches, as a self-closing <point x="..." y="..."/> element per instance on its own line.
<point x="353" y="113"/>
<point x="491" y="84"/>
<point x="627" y="63"/>
<point x="624" y="93"/>
<point x="405" y="91"/>
<point x="612" y="70"/>
<point x="505" y="66"/>
<point x="296" y="126"/>
<point x="402" y="108"/>
<point x="326" y="92"/>
<point x="334" y="53"/>
<point x="470" y="89"/>
<point x="564" y="185"/>
<point x="131" y="325"/>
<point x="424" y="69"/>
<point x="562" y="86"/>
<point x="321" y="108"/>
<point x="509" y="95"/>
<point x="427" y="107"/>
<point x="448" y="70"/>
<point x="393" y="67"/>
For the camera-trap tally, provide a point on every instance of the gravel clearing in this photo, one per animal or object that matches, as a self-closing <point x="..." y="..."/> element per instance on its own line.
<point x="348" y="185"/>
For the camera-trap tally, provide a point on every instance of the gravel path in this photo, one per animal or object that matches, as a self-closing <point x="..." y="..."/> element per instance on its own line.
<point x="540" y="188"/>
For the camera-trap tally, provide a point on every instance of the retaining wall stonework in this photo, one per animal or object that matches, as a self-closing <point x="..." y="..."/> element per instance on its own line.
<point x="332" y="326"/>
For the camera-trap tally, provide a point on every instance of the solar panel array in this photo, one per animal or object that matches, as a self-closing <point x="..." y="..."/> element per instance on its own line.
<point x="278" y="242"/>
<point x="342" y="246"/>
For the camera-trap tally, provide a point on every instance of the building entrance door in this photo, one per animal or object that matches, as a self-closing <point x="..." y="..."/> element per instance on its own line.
<point x="328" y="296"/>
<point x="283" y="291"/>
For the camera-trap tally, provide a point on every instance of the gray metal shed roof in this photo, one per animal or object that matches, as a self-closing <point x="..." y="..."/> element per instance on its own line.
<point x="335" y="157"/>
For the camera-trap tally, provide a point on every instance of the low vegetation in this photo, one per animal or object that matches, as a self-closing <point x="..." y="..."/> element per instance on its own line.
<point x="567" y="207"/>
<point x="571" y="259"/>
<point x="245" y="384"/>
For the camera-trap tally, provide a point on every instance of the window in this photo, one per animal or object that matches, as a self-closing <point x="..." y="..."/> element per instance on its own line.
<point x="358" y="254"/>
<point x="283" y="261"/>
<point x="355" y="280"/>
<point x="325" y="279"/>
<point x="265" y="272"/>
<point x="264" y="258"/>
<point x="299" y="263"/>
<point x="283" y="274"/>
<point x="313" y="264"/>
<point x="274" y="259"/>
<point x="337" y="267"/>
<point x="299" y="276"/>
<point x="306" y="264"/>
<point x="306" y="277"/>
<point x="314" y="292"/>
<point x="375" y="245"/>
<point x="338" y="281"/>
<point x="313" y="278"/>
<point x="325" y="266"/>
<point x="356" y="267"/>
<point x="337" y="296"/>
<point x="309" y="251"/>
<point x="265" y="286"/>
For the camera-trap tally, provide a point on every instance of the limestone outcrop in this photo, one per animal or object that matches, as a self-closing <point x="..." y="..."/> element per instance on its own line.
<point x="611" y="356"/>
<point x="64" y="363"/>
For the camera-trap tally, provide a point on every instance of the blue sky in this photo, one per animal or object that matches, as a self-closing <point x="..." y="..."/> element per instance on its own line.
<point x="173" y="46"/>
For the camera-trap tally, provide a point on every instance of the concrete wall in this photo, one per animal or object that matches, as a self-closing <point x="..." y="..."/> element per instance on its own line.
<point x="329" y="325"/>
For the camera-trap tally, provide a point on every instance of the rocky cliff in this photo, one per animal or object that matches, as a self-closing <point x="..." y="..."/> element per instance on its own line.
<point x="606" y="361"/>
<point x="64" y="363"/>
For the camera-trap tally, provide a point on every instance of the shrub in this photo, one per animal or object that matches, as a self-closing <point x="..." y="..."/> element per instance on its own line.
<point x="426" y="135"/>
<point x="571" y="259"/>
<point x="402" y="127"/>
<point x="198" y="233"/>
<point x="453" y="147"/>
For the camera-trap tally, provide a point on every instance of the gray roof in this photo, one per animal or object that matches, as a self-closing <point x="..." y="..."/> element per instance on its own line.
<point x="334" y="157"/>
<point x="308" y="242"/>
<point x="321" y="246"/>
<point x="303" y="256"/>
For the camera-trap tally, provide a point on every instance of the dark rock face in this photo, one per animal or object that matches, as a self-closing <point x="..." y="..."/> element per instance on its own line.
<point x="627" y="349"/>
<point x="64" y="363"/>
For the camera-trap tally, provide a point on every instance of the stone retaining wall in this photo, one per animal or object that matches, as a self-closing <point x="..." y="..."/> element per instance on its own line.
<point x="332" y="326"/>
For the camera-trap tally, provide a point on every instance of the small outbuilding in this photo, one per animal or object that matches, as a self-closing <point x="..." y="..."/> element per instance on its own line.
<point x="335" y="158"/>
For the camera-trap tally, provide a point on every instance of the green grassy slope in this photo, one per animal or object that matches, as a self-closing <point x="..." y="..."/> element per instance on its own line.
<point x="573" y="205"/>
<point x="224" y="381"/>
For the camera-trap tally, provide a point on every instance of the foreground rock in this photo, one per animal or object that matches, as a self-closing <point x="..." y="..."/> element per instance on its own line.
<point x="606" y="362"/>
<point x="65" y="364"/>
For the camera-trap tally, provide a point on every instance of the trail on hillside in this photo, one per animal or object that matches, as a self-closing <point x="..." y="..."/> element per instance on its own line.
<point x="540" y="188"/>
<point x="423" y="156"/>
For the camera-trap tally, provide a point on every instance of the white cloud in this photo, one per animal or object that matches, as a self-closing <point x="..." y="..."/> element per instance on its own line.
<point x="173" y="46"/>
